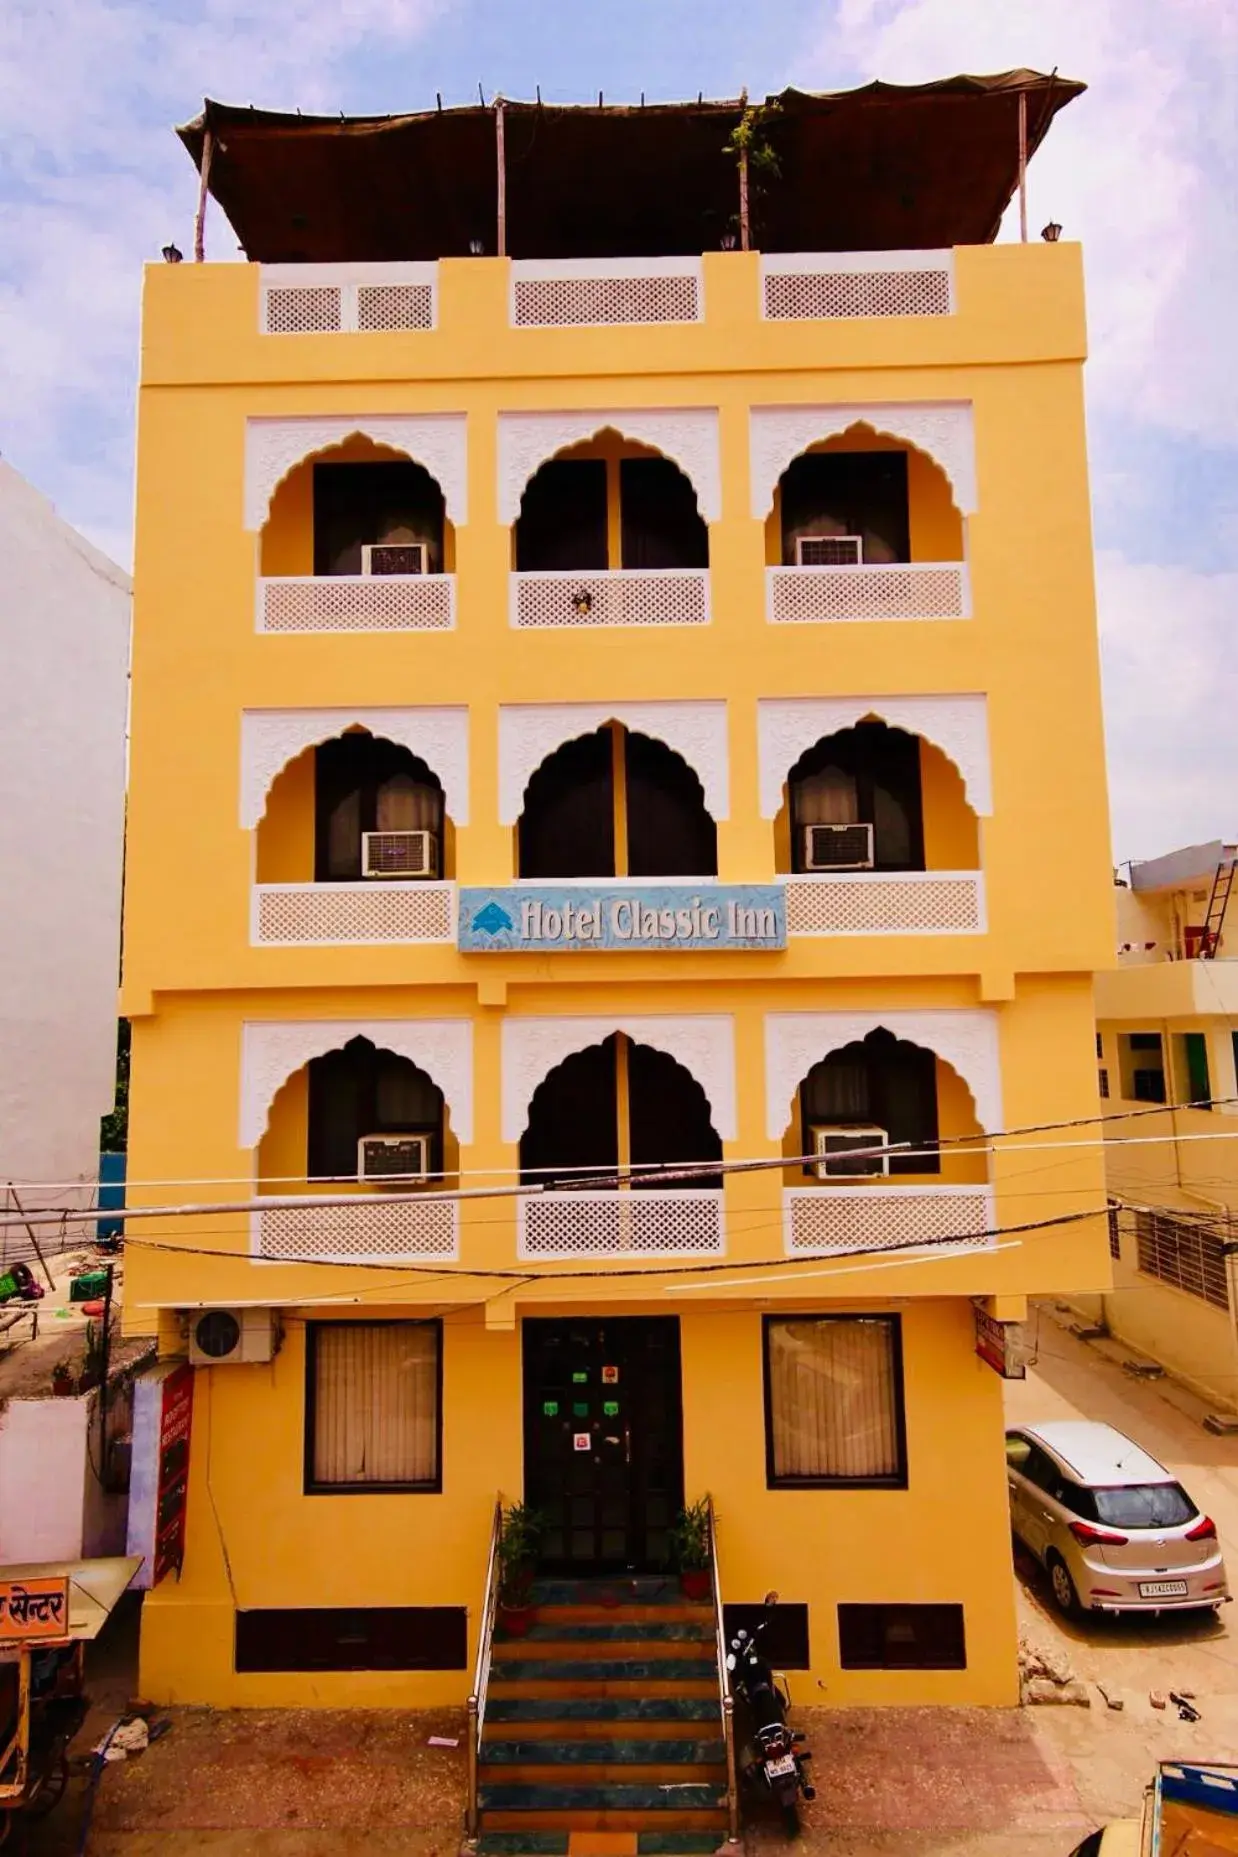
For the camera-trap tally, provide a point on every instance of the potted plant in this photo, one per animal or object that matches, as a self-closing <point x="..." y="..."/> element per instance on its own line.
<point x="690" y="1549"/>
<point x="519" y="1543"/>
<point x="95" y="1359"/>
<point x="62" y="1379"/>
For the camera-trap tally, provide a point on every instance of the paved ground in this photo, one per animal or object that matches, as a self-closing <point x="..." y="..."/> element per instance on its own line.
<point x="894" y="1783"/>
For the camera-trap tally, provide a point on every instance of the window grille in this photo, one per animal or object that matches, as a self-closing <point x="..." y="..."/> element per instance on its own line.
<point x="1183" y="1254"/>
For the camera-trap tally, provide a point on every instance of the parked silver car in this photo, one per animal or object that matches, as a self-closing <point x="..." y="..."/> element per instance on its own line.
<point x="1112" y="1528"/>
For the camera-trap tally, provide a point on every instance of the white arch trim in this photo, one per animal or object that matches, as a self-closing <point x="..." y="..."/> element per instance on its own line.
<point x="274" y="446"/>
<point x="686" y="434"/>
<point x="945" y="429"/>
<point x="703" y="1043"/>
<point x="528" y="732"/>
<point x="958" y="725"/>
<point x="270" y="738"/>
<point x="795" y="1041"/>
<point x="272" y="1049"/>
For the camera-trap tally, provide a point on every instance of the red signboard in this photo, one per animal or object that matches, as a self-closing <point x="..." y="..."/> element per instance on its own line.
<point x="1000" y="1345"/>
<point x="33" y="1609"/>
<point x="176" y="1417"/>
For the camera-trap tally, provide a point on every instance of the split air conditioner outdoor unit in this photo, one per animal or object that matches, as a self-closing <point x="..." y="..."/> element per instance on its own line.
<point x="829" y="551"/>
<point x="232" y="1337"/>
<point x="394" y="1158"/>
<point x="399" y="854"/>
<point x="837" y="1156"/>
<point x="838" y="847"/>
<point x="393" y="558"/>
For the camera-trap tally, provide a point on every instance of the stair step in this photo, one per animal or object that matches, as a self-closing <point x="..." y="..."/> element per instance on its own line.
<point x="681" y="1611"/>
<point x="556" y="1642"/>
<point x="712" y="1820"/>
<point x="678" y="1795"/>
<point x="606" y="1773"/>
<point x="676" y="1843"/>
<point x="525" y="1685"/>
<point x="570" y="1752"/>
<point x="652" y="1589"/>
<point x="582" y="1728"/>
<point x="684" y="1711"/>
<point x="516" y="1843"/>
<point x="619" y="1628"/>
<point x="573" y="1668"/>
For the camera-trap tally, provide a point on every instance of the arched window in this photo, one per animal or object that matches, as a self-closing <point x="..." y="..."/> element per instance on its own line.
<point x="616" y="804"/>
<point x="616" y="1103"/>
<point x="365" y="785"/>
<point x="868" y="775"/>
<point x="361" y="1090"/>
<point x="881" y="1082"/>
<point x="386" y="504"/>
<point x="857" y="494"/>
<point x="573" y="508"/>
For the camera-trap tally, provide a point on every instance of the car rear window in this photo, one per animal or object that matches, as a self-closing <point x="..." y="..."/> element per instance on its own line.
<point x="1144" y="1505"/>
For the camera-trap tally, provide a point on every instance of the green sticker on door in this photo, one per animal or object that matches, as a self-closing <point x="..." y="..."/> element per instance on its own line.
<point x="550" y="1408"/>
<point x="610" y="1408"/>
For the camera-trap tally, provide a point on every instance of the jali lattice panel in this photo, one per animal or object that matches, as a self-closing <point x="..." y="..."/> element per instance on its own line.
<point x="843" y="295"/>
<point x="928" y="903"/>
<point x="576" y="302"/>
<point x="624" y="596"/>
<point x="356" y="603"/>
<point x="567" y="1225"/>
<point x="818" y="595"/>
<point x="330" y="915"/>
<point x="359" y="1232"/>
<point x="828" y="1221"/>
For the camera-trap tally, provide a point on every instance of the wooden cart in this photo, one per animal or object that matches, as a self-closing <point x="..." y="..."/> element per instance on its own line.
<point x="49" y="1611"/>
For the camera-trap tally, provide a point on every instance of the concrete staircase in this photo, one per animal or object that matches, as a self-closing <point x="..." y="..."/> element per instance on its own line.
<point x="603" y="1727"/>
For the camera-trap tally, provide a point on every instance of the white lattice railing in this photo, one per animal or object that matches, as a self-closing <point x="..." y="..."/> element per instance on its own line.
<point x="600" y="292"/>
<point x="825" y="1221"/>
<point x="928" y="902"/>
<point x="357" y="603"/>
<point x="328" y="915"/>
<point x="618" y="596"/>
<point x="358" y="1233"/>
<point x="902" y="590"/>
<point x="335" y="299"/>
<point x="638" y="1224"/>
<point x="832" y="286"/>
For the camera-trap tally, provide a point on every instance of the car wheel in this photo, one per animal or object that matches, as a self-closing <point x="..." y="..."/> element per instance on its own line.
<point x="1065" y="1598"/>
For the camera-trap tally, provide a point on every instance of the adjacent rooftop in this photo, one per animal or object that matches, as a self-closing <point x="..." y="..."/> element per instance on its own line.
<point x="887" y="167"/>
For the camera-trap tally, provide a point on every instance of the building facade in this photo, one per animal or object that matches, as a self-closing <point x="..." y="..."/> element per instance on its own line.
<point x="684" y="633"/>
<point x="1165" y="1034"/>
<point x="64" y="648"/>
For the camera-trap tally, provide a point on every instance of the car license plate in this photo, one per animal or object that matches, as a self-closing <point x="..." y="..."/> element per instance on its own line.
<point x="781" y="1768"/>
<point x="1162" y="1589"/>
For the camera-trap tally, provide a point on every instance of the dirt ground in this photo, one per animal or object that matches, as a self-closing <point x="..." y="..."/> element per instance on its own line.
<point x="892" y="1783"/>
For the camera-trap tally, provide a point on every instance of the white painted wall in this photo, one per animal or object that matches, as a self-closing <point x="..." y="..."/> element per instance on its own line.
<point x="64" y="652"/>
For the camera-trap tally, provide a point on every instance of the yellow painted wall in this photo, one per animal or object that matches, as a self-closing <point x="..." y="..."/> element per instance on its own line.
<point x="284" y="1548"/>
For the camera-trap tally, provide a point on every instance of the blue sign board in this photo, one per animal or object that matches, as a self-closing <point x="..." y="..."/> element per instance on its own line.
<point x="581" y="917"/>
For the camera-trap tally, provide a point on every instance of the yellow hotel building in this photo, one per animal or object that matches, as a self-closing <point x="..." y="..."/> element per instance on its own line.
<point x="598" y="713"/>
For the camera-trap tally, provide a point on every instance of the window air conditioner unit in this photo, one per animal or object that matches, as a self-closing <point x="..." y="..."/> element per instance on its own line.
<point x="837" y="1156"/>
<point x="829" y="550"/>
<point x="393" y="1157"/>
<point x="838" y="847"/>
<point x="232" y="1337"/>
<point x="393" y="558"/>
<point x="399" y="854"/>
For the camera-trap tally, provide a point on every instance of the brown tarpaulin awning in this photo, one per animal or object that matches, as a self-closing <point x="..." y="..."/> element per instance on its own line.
<point x="889" y="167"/>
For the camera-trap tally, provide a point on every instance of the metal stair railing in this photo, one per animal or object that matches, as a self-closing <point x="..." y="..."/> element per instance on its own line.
<point x="724" y="1681"/>
<point x="481" y="1673"/>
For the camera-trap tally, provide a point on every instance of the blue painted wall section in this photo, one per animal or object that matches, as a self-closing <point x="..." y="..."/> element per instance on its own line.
<point x="579" y="917"/>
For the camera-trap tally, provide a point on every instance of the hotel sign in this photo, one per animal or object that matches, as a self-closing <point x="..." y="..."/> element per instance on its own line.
<point x="666" y="918"/>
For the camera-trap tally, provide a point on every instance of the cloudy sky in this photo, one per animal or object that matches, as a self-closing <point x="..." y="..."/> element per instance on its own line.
<point x="1144" y="169"/>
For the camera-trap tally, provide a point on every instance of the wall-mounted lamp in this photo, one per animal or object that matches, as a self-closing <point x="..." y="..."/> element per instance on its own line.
<point x="476" y="248"/>
<point x="1051" y="233"/>
<point x="171" y="255"/>
<point x="727" y="241"/>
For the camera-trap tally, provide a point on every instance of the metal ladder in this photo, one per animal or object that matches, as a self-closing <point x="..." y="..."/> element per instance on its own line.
<point x="1218" y="903"/>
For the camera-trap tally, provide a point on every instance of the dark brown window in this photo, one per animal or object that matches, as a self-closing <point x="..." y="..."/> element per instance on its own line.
<point x="898" y="1637"/>
<point x="1115" y="1234"/>
<point x="359" y="503"/>
<point x="361" y="785"/>
<point x="1102" y="1082"/>
<point x="860" y="493"/>
<point x="868" y="775"/>
<point x="562" y="523"/>
<point x="661" y="524"/>
<point x="352" y="1638"/>
<point x="373" y="1407"/>
<point x="1185" y="1255"/>
<point x="834" y="1402"/>
<point x="361" y="1091"/>
<point x="881" y="1082"/>
<point x="567" y="827"/>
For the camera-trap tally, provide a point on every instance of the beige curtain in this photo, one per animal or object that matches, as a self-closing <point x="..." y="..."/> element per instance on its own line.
<point x="827" y="798"/>
<point x="407" y="805"/>
<point x="375" y="1402"/>
<point x="834" y="1402"/>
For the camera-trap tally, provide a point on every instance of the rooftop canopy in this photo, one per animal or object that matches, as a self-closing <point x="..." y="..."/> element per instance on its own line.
<point x="889" y="167"/>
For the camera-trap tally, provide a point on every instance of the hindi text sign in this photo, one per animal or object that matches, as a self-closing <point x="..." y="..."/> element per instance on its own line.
<point x="35" y="1608"/>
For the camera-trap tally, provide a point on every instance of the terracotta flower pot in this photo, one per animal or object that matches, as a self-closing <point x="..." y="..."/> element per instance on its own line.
<point x="517" y="1621"/>
<point x="62" y="1386"/>
<point x="695" y="1583"/>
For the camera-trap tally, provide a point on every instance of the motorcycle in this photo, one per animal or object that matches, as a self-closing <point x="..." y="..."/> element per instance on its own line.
<point x="772" y="1761"/>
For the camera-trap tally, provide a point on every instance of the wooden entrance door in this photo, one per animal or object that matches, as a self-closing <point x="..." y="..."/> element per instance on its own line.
<point x="603" y="1440"/>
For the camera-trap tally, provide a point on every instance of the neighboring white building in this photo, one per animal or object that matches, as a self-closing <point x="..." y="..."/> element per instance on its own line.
<point x="64" y="653"/>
